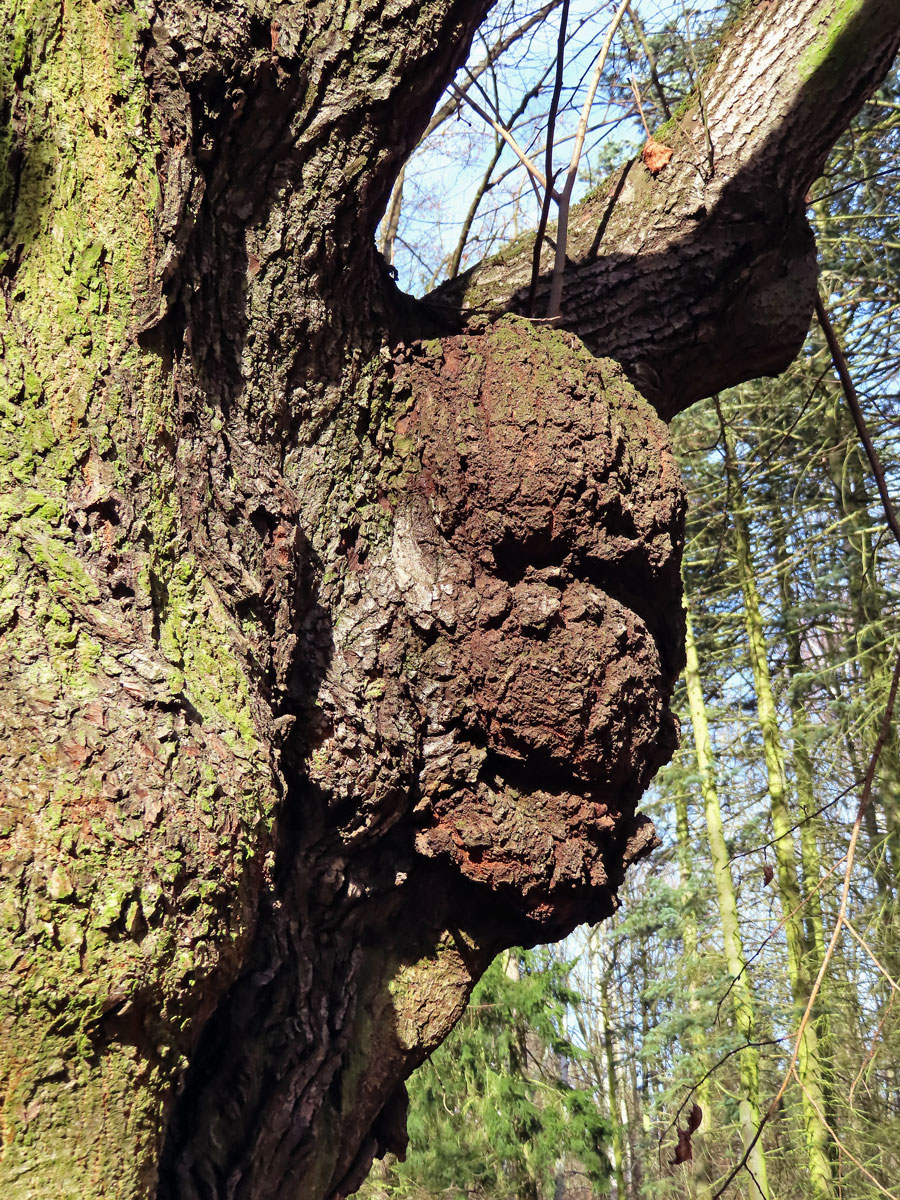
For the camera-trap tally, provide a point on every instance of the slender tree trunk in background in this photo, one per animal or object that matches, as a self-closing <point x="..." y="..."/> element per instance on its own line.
<point x="633" y="1115"/>
<point x="617" y="1114"/>
<point x="391" y="223"/>
<point x="633" y="1119"/>
<point x="694" y="1048"/>
<point x="848" y="479"/>
<point x="600" y="1044"/>
<point x="809" y="1064"/>
<point x="338" y="629"/>
<point x="741" y="993"/>
<point x="810" y="821"/>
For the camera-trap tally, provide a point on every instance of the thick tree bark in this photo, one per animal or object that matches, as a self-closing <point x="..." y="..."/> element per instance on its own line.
<point x="333" y="659"/>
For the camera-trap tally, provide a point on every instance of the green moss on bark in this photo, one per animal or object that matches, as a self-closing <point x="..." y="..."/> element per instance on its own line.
<point x="122" y="884"/>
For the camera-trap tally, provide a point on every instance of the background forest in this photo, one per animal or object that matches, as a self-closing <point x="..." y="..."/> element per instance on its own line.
<point x="639" y="1058"/>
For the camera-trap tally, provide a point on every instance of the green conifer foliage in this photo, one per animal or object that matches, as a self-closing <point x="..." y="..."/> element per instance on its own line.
<point x="499" y="1112"/>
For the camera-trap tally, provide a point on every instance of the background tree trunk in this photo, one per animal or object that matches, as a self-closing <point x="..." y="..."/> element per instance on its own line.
<point x="810" y="1066"/>
<point x="318" y="690"/>
<point x="741" y="988"/>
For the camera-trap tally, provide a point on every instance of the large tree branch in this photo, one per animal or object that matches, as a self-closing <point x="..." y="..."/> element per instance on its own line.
<point x="703" y="276"/>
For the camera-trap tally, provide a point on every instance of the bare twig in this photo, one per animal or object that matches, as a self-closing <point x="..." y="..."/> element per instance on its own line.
<point x="548" y="166"/>
<point x="533" y="170"/>
<point x="486" y="184"/>
<point x="781" y="924"/>
<point x="707" y="1075"/>
<point x="639" y="105"/>
<point x="698" y="76"/>
<point x="793" y="829"/>
<point x="499" y="47"/>
<point x="651" y="61"/>
<point x="843" y="370"/>
<point x="565" y="197"/>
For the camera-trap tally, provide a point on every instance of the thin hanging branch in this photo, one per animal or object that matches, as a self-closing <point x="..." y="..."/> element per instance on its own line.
<point x="548" y="166"/>
<point x="480" y="192"/>
<point x="637" y="100"/>
<point x="487" y="182"/>
<point x="449" y="107"/>
<point x="698" y="77"/>
<point x="533" y="170"/>
<point x="565" y="196"/>
<point x="651" y="61"/>
<point x="843" y="370"/>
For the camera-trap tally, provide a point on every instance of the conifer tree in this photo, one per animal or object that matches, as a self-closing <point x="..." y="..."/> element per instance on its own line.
<point x="500" y="1111"/>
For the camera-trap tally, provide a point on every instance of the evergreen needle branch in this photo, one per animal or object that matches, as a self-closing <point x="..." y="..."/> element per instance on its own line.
<point x="864" y="1066"/>
<point x="836" y="933"/>
<point x="871" y="953"/>
<point x="843" y="370"/>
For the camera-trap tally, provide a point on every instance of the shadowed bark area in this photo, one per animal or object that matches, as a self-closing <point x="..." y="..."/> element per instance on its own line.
<point x="334" y="660"/>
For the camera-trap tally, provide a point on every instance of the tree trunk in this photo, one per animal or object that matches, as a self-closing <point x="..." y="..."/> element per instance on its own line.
<point x="618" y="1114"/>
<point x="810" y="1070"/>
<point x="871" y="666"/>
<point x="334" y="660"/>
<point x="694" y="1045"/>
<point x="742" y="1000"/>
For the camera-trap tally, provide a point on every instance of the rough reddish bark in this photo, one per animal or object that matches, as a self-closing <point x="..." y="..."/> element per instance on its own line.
<point x="492" y="707"/>
<point x="337" y="634"/>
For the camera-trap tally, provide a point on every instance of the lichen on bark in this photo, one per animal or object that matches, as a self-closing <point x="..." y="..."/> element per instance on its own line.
<point x="121" y="903"/>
